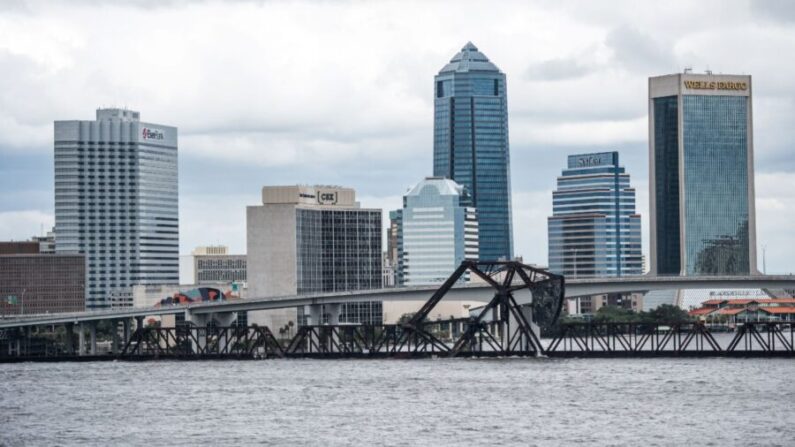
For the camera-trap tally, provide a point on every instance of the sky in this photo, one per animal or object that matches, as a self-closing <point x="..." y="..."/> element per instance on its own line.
<point x="322" y="92"/>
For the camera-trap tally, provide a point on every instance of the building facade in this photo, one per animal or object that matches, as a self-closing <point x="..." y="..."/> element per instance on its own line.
<point x="116" y="201"/>
<point x="36" y="282"/>
<point x="470" y="144"/>
<point x="701" y="176"/>
<point x="437" y="231"/>
<point x="594" y="230"/>
<point x="314" y="239"/>
<point x="213" y="264"/>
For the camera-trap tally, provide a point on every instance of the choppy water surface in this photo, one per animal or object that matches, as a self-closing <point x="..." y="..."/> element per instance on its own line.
<point x="400" y="402"/>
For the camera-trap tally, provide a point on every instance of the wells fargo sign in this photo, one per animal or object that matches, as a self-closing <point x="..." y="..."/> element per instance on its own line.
<point x="716" y="85"/>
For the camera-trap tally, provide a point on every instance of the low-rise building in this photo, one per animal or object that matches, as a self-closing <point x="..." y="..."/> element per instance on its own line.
<point x="732" y="311"/>
<point x="32" y="282"/>
<point x="214" y="265"/>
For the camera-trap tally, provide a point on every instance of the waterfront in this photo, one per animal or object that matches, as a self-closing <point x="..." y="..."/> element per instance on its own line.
<point x="399" y="402"/>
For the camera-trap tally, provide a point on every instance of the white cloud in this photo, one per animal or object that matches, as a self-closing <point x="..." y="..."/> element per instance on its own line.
<point x="21" y="225"/>
<point x="775" y="217"/>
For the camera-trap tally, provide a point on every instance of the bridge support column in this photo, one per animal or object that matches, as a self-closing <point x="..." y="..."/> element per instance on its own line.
<point x="70" y="338"/>
<point x="126" y="334"/>
<point x="223" y="320"/>
<point x="334" y="311"/>
<point x="81" y="339"/>
<point x="26" y="344"/>
<point x="115" y="347"/>
<point x="92" y="331"/>
<point x="315" y="314"/>
<point x="199" y="327"/>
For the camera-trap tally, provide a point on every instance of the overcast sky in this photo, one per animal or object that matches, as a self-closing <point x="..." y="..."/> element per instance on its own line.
<point x="342" y="93"/>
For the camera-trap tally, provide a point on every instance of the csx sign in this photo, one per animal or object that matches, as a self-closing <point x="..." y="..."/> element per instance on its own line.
<point x="327" y="198"/>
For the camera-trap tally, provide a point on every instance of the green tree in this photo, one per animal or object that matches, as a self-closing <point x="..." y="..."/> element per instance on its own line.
<point x="666" y="313"/>
<point x="615" y="314"/>
<point x="405" y="318"/>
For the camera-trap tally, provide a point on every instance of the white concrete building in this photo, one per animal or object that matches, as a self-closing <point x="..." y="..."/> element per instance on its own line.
<point x="312" y="239"/>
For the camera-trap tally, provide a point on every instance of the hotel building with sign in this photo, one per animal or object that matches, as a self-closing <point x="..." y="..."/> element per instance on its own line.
<point x="116" y="201"/>
<point x="701" y="175"/>
<point x="313" y="239"/>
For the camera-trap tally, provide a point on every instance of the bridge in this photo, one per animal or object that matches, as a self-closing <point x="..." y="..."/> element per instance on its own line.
<point x="467" y="292"/>
<point x="518" y="299"/>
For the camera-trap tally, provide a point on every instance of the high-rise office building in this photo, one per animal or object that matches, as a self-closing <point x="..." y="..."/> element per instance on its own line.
<point x="701" y="175"/>
<point x="470" y="143"/>
<point x="116" y="201"/>
<point x="594" y="230"/>
<point x="436" y="232"/>
<point x="313" y="239"/>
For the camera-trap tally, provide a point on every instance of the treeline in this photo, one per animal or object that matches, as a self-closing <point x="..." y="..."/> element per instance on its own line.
<point x="663" y="314"/>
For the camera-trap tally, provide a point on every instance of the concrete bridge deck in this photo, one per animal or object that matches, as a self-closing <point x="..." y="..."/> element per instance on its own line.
<point x="468" y="292"/>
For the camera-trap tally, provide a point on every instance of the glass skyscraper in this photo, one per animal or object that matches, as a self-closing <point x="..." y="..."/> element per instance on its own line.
<point x="594" y="230"/>
<point x="435" y="232"/>
<point x="116" y="201"/>
<point x="701" y="178"/>
<point x="470" y="143"/>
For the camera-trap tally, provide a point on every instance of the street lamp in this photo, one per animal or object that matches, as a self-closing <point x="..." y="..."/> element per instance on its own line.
<point x="22" y="302"/>
<point x="576" y="299"/>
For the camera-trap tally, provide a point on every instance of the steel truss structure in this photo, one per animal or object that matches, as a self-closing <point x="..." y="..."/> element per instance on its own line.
<point x="689" y="338"/>
<point x="503" y="326"/>
<point x="201" y="342"/>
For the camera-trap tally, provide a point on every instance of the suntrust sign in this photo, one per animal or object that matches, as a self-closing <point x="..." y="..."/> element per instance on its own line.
<point x="151" y="134"/>
<point x="716" y="85"/>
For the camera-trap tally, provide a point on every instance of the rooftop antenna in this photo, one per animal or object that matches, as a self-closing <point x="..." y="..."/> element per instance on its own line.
<point x="688" y="70"/>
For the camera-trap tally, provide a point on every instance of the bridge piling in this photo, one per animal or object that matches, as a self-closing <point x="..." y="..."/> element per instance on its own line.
<point x="81" y="340"/>
<point x="69" y="335"/>
<point x="126" y="323"/>
<point x="92" y="332"/>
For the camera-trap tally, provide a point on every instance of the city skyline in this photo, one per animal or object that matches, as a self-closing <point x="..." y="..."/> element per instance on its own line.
<point x="599" y="73"/>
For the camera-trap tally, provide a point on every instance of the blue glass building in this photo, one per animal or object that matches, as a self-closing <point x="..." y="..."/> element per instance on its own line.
<point x="470" y="143"/>
<point x="701" y="179"/>
<point x="594" y="230"/>
<point x="435" y="232"/>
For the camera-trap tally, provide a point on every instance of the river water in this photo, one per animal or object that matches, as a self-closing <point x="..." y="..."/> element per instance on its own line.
<point x="436" y="402"/>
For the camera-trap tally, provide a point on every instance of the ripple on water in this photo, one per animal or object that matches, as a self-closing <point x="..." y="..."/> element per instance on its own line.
<point x="399" y="402"/>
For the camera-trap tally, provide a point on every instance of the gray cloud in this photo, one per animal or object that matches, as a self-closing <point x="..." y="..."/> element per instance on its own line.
<point x="775" y="10"/>
<point x="638" y="51"/>
<point x="557" y="70"/>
